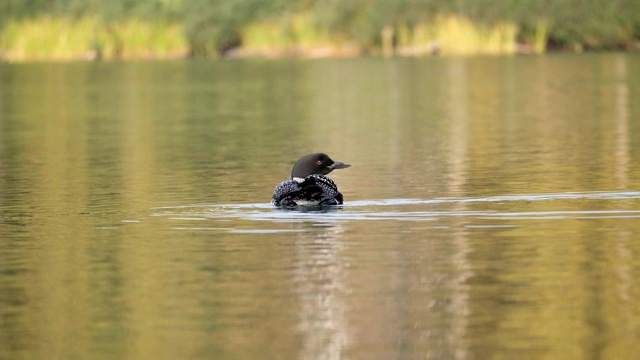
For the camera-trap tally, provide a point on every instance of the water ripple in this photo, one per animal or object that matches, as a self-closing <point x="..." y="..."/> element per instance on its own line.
<point x="413" y="210"/>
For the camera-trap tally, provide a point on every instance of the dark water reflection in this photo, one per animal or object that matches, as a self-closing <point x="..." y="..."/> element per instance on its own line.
<point x="492" y="210"/>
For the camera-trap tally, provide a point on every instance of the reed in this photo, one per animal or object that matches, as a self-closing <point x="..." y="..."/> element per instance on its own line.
<point x="448" y="35"/>
<point x="455" y="35"/>
<point x="298" y="34"/>
<point x="541" y="36"/>
<point x="63" y="39"/>
<point x="135" y="39"/>
<point x="47" y="38"/>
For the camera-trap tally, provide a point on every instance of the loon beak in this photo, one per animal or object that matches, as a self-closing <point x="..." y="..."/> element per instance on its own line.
<point x="339" y="165"/>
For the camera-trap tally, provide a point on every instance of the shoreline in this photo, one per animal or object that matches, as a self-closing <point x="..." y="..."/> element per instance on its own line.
<point x="60" y="39"/>
<point x="241" y="53"/>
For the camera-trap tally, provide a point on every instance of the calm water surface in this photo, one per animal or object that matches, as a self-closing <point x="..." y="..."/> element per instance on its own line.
<point x="492" y="210"/>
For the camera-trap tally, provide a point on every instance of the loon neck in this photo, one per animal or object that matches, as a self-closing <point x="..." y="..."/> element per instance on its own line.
<point x="298" y="179"/>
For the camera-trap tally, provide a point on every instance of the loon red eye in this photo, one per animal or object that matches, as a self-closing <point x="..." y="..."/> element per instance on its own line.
<point x="319" y="162"/>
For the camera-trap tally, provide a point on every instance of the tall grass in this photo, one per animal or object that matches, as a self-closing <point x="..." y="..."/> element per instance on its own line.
<point x="455" y="35"/>
<point x="448" y="35"/>
<point x="138" y="39"/>
<point x="62" y="38"/>
<point x="541" y="36"/>
<point x="47" y="38"/>
<point x="297" y="34"/>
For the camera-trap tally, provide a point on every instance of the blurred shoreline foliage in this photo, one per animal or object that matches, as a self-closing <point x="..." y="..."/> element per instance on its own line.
<point x="123" y="29"/>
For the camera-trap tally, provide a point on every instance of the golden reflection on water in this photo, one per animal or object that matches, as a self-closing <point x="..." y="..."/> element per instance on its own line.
<point x="93" y="268"/>
<point x="320" y="282"/>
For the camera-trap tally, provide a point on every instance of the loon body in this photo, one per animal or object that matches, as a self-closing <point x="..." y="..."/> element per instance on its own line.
<point x="308" y="185"/>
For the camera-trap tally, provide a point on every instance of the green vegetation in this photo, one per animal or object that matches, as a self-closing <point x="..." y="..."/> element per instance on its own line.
<point x="74" y="29"/>
<point x="62" y="38"/>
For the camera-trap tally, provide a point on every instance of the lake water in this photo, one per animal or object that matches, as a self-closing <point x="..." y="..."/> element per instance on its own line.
<point x="492" y="210"/>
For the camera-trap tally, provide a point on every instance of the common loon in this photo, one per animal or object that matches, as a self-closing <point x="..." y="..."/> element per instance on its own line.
<point x="308" y="185"/>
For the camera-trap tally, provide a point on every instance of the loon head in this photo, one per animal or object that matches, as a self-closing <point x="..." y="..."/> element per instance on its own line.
<point x="318" y="163"/>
